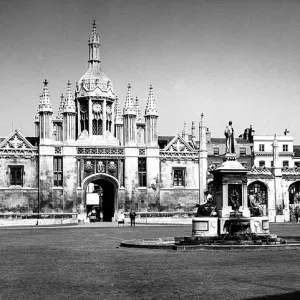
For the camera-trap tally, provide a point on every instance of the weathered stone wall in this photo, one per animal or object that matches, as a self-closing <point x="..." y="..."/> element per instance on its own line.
<point x="151" y="201"/>
<point x="131" y="178"/>
<point x="46" y="184"/>
<point x="19" y="198"/>
<point x="179" y="198"/>
<point x="121" y="200"/>
<point x="70" y="179"/>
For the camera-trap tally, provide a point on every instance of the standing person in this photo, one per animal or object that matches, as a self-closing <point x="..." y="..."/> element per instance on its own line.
<point x="132" y="217"/>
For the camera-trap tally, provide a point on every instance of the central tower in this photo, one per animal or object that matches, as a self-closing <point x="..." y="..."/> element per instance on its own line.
<point x="95" y="99"/>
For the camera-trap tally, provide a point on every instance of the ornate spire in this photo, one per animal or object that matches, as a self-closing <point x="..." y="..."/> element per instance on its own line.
<point x="151" y="109"/>
<point x="45" y="104"/>
<point x="37" y="116"/>
<point x="138" y="111"/>
<point x="94" y="45"/>
<point x="202" y="134"/>
<point x="185" y="133"/>
<point x="202" y="123"/>
<point x="193" y="132"/>
<point x="61" y="107"/>
<point x="129" y="107"/>
<point x="118" y="115"/>
<point x="69" y="104"/>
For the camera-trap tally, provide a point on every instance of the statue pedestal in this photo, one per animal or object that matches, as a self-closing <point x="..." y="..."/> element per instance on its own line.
<point x="205" y="226"/>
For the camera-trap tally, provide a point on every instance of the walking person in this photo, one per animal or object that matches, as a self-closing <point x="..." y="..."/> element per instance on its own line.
<point x="132" y="217"/>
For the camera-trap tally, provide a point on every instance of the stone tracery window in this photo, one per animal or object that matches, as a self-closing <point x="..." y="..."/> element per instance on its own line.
<point x="97" y="118"/>
<point x="84" y="122"/>
<point x="142" y="170"/>
<point x="58" y="171"/>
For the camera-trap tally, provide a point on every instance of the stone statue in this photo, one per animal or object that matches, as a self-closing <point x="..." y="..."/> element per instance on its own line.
<point x="229" y="134"/>
<point x="235" y="201"/>
<point x="207" y="208"/>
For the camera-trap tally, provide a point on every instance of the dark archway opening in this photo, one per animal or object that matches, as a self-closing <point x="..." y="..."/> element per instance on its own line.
<point x="105" y="206"/>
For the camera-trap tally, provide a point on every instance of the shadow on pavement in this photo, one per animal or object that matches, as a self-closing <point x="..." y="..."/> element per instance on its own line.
<point x="286" y="296"/>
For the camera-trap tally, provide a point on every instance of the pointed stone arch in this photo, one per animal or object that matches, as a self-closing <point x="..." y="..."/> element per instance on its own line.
<point x="111" y="180"/>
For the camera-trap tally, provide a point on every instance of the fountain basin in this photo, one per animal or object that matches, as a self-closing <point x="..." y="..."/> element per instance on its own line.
<point x="213" y="243"/>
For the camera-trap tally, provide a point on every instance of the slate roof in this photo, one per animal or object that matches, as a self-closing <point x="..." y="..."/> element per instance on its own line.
<point x="34" y="141"/>
<point x="166" y="138"/>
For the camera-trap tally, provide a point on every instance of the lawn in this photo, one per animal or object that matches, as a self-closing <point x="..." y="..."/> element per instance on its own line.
<point x="87" y="263"/>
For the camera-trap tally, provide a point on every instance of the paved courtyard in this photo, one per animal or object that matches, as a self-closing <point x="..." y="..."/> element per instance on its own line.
<point x="87" y="263"/>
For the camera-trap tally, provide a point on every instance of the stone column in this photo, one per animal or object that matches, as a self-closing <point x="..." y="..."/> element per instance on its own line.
<point x="90" y="118"/>
<point x="104" y="119"/>
<point x="202" y="160"/>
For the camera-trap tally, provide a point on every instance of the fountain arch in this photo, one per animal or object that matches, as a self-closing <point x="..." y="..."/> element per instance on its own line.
<point x="260" y="191"/>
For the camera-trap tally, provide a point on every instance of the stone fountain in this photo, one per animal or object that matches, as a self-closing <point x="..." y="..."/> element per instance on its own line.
<point x="233" y="221"/>
<point x="225" y="222"/>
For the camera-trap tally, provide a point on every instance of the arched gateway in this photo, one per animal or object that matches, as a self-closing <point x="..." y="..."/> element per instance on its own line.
<point x="108" y="199"/>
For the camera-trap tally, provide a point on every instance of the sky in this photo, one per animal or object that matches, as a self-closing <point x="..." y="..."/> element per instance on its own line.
<point x="230" y="60"/>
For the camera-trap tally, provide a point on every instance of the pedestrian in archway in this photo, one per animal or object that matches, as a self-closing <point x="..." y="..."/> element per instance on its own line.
<point x="132" y="217"/>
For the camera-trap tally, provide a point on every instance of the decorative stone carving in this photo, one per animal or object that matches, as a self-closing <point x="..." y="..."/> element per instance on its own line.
<point x="17" y="146"/>
<point x="112" y="168"/>
<point x="97" y="108"/>
<point x="100" y="167"/>
<point x="16" y="143"/>
<point x="88" y="167"/>
<point x="100" y="151"/>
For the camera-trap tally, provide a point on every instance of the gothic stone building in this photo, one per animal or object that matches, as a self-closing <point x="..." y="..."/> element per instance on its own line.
<point x="91" y="153"/>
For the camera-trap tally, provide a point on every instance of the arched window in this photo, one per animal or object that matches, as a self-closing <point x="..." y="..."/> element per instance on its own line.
<point x="262" y="163"/>
<point x="97" y="127"/>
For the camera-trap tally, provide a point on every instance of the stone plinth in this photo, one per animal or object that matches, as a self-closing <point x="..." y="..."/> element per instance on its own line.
<point x="205" y="226"/>
<point x="230" y="183"/>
